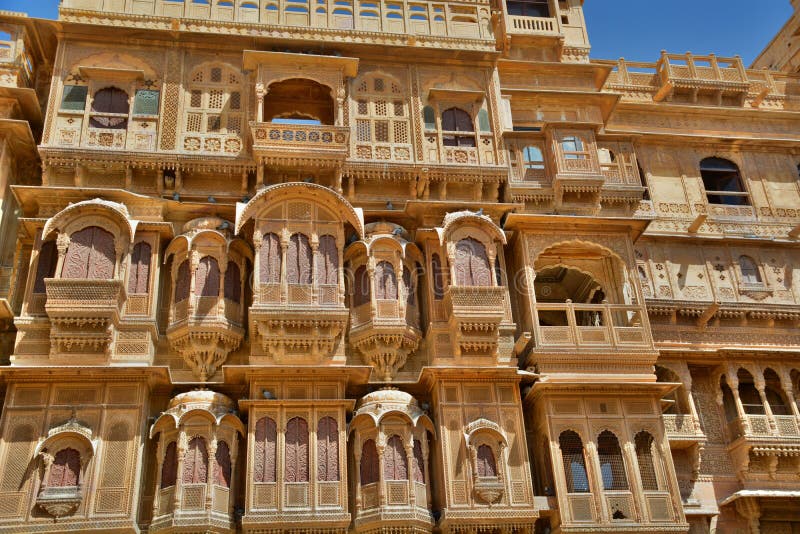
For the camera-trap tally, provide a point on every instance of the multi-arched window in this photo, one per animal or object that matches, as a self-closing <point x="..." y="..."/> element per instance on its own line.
<point x="381" y="115"/>
<point x="327" y="450"/>
<point x="46" y="265"/>
<point x="298" y="260"/>
<point x="395" y="462"/>
<point x="612" y="464"/>
<point x="169" y="468"/>
<point x="574" y="462"/>
<point x="139" y="275"/>
<point x="296" y="450"/>
<point x="385" y="281"/>
<point x="723" y="182"/>
<point x="110" y="108"/>
<point x="90" y="254"/>
<point x="646" y="454"/>
<point x="270" y="260"/>
<point x="222" y="465"/>
<point x="457" y="128"/>
<point x="215" y="101"/>
<point x="195" y="462"/>
<point x="264" y="450"/>
<point x="369" y="465"/>
<point x="207" y="277"/>
<point x="472" y="264"/>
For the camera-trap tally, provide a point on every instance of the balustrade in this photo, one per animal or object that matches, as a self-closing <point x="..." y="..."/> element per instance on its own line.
<point x="757" y="425"/>
<point x="600" y="325"/>
<point x="531" y="25"/>
<point x="276" y="141"/>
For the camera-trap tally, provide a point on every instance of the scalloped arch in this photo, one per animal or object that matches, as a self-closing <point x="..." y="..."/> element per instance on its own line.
<point x="85" y="208"/>
<point x="454" y="221"/>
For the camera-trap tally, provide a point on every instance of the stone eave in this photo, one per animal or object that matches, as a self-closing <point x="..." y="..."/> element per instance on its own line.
<point x="761" y="494"/>
<point x="20" y="137"/>
<point x="738" y="239"/>
<point x="28" y="197"/>
<point x="156" y="376"/>
<point x="599" y="72"/>
<point x="432" y="212"/>
<point x="606" y="102"/>
<point x="600" y="384"/>
<point x="566" y="223"/>
<point x="28" y="102"/>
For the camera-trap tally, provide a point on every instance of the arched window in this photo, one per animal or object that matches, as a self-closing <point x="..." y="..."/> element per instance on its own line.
<point x="418" y="463"/>
<point x="139" y="275"/>
<point x="206" y="282"/>
<point x="169" y="469"/>
<point x="327" y="450"/>
<point x="574" y="462"/>
<point x="46" y="265"/>
<point x="65" y="470"/>
<point x="233" y="282"/>
<point x="264" y="450"/>
<point x="222" y="465"/>
<point x="182" y="282"/>
<point x="270" y="259"/>
<point x="723" y="182"/>
<point x="298" y="260"/>
<point x="528" y="8"/>
<point x="646" y="453"/>
<point x="361" y="286"/>
<point x="472" y="264"/>
<point x="90" y="254"/>
<point x="326" y="262"/>
<point x="395" y="463"/>
<point x="109" y="109"/>
<point x="457" y="128"/>
<point x="296" y="456"/>
<point x="612" y="465"/>
<point x="385" y="281"/>
<point x="381" y="114"/>
<point x="487" y="466"/>
<point x="195" y="462"/>
<point x="438" y="277"/>
<point x="728" y="401"/>
<point x="749" y="269"/>
<point x="369" y="464"/>
<point x="215" y="103"/>
<point x="773" y="391"/>
<point x="748" y="394"/>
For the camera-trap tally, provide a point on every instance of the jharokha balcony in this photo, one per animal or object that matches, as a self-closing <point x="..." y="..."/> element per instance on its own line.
<point x="607" y="326"/>
<point x="476" y="313"/>
<point x="277" y="143"/>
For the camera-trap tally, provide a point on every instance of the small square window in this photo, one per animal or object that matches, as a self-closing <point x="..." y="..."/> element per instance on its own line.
<point x="74" y="98"/>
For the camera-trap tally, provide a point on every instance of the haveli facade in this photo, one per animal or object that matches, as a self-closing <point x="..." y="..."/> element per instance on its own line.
<point x="383" y="267"/>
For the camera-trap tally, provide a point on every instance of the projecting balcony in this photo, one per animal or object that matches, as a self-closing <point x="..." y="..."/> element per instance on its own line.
<point x="759" y="427"/>
<point x="532" y="26"/>
<point x="721" y="77"/>
<point x="569" y="327"/>
<point x="475" y="314"/>
<point x="287" y="144"/>
<point x="682" y="430"/>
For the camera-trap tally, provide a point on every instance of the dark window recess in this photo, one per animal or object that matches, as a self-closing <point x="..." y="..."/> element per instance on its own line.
<point x="429" y="117"/>
<point x="74" y="98"/>
<point x="723" y="182"/>
<point x="457" y="128"/>
<point x="110" y="109"/>
<point x="146" y="102"/>
<point x="529" y="8"/>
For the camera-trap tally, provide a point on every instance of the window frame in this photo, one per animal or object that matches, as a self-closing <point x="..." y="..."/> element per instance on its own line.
<point x="720" y="195"/>
<point x="205" y="110"/>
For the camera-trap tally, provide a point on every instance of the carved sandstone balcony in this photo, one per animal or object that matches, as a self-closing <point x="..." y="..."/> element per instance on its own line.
<point x="760" y="443"/>
<point x="286" y="144"/>
<point x="298" y="322"/>
<point x="601" y="326"/>
<point x="83" y="315"/>
<point x="759" y="426"/>
<point x="533" y="26"/>
<point x="475" y="315"/>
<point x="700" y="74"/>
<point x="682" y="429"/>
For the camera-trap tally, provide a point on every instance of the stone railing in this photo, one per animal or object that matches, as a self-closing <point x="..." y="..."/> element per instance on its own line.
<point x="448" y="19"/>
<point x="286" y="141"/>
<point x="681" y="426"/>
<point x="759" y="425"/>
<point x="592" y="326"/>
<point x="531" y="25"/>
<point x="648" y="81"/>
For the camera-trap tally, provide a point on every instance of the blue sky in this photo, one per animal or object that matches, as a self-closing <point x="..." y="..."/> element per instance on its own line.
<point x="638" y="29"/>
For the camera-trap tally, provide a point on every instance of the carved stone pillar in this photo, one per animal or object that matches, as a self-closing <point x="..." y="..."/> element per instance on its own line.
<point x="595" y="481"/>
<point x="284" y="275"/>
<point x="181" y="451"/>
<point x="223" y="267"/>
<point x="261" y="92"/>
<point x="380" y="445"/>
<point x="788" y="390"/>
<point x="733" y="383"/>
<point x="632" y="468"/>
<point x="748" y="507"/>
<point x="62" y="244"/>
<point x="412" y="493"/>
<point x="258" y="239"/>
<point x="210" y="472"/>
<point x="159" y="468"/>
<point x="314" y="259"/>
<point x="762" y="394"/>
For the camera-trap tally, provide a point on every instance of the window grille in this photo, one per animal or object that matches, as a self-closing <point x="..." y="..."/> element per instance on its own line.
<point x="145" y="102"/>
<point x="195" y="462"/>
<point x="646" y="455"/>
<point x="612" y="465"/>
<point x="472" y="264"/>
<point x="381" y="112"/>
<point x="327" y="450"/>
<point x="215" y="102"/>
<point x="574" y="462"/>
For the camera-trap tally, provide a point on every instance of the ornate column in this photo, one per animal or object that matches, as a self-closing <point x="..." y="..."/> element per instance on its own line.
<point x="314" y="259"/>
<point x="210" y="472"/>
<point x="181" y="451"/>
<point x="762" y="393"/>
<point x="733" y="383"/>
<point x="258" y="240"/>
<point x="412" y="491"/>
<point x="62" y="244"/>
<point x="595" y="481"/>
<point x="223" y="267"/>
<point x="261" y="92"/>
<point x="159" y="468"/>
<point x="380" y="445"/>
<point x="788" y="390"/>
<point x="357" y="474"/>
<point x="632" y="469"/>
<point x="284" y="280"/>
